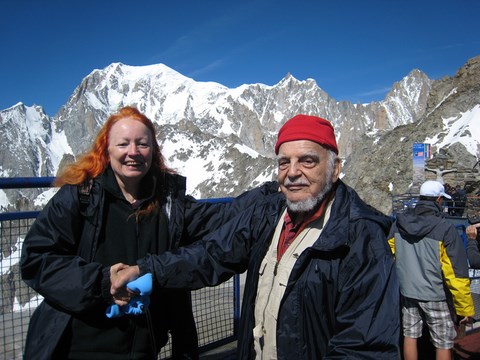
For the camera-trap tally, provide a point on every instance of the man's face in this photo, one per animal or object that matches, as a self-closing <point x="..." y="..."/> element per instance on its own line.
<point x="304" y="171"/>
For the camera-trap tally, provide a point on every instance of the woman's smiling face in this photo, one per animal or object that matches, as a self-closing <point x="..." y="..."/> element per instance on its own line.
<point x="130" y="151"/>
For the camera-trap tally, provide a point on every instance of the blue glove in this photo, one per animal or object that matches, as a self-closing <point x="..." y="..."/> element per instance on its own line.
<point x="136" y="306"/>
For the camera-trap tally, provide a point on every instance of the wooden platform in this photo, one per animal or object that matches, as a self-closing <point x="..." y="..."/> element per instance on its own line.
<point x="468" y="347"/>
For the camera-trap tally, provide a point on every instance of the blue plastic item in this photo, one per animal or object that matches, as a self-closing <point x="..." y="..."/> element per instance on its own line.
<point x="137" y="305"/>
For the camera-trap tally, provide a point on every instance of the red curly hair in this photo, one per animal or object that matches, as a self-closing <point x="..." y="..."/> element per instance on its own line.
<point x="94" y="162"/>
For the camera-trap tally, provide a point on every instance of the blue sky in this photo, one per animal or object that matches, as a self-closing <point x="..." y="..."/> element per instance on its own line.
<point x="354" y="50"/>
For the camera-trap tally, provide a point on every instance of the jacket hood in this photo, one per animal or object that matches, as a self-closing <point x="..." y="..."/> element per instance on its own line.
<point x="420" y="220"/>
<point x="359" y="209"/>
<point x="348" y="206"/>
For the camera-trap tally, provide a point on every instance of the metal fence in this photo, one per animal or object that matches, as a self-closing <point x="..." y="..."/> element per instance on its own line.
<point x="468" y="208"/>
<point x="216" y="309"/>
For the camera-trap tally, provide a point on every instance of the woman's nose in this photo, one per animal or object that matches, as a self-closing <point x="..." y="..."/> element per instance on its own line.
<point x="133" y="149"/>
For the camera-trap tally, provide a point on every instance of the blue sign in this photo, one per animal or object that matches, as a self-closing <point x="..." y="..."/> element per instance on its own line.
<point x="421" y="153"/>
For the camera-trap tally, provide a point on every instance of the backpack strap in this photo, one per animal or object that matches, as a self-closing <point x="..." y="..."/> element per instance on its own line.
<point x="84" y="244"/>
<point x="84" y="190"/>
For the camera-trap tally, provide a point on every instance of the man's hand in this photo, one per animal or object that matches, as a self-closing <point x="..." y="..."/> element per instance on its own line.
<point x="462" y="324"/>
<point x="466" y="320"/>
<point x="122" y="295"/>
<point x="472" y="231"/>
<point x="120" y="275"/>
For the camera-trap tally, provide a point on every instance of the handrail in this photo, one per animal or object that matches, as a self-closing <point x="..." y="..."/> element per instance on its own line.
<point x="26" y="182"/>
<point x="40" y="182"/>
<point x="18" y="215"/>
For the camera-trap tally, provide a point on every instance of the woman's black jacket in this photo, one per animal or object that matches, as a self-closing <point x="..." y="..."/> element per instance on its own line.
<point x="57" y="261"/>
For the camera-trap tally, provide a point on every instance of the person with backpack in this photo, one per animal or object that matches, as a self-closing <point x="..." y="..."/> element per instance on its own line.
<point x="432" y="268"/>
<point x="117" y="203"/>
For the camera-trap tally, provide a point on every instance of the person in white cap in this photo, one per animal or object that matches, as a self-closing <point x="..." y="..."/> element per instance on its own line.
<point x="430" y="258"/>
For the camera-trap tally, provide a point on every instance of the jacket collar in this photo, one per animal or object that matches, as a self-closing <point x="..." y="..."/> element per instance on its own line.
<point x="147" y="185"/>
<point x="347" y="207"/>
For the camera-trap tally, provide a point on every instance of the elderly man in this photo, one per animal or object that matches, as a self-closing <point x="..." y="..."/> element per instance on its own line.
<point x="321" y="280"/>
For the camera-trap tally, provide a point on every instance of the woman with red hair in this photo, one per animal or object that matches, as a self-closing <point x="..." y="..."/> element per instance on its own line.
<point x="116" y="204"/>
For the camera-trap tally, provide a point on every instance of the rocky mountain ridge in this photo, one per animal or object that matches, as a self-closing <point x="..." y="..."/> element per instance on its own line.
<point x="389" y="166"/>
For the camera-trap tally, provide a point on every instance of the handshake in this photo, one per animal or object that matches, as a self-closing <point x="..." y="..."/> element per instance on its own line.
<point x="138" y="294"/>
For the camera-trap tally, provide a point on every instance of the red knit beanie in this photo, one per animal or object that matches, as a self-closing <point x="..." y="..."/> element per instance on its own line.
<point x="306" y="127"/>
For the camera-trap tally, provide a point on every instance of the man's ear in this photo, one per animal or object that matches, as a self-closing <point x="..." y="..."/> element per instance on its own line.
<point x="337" y="169"/>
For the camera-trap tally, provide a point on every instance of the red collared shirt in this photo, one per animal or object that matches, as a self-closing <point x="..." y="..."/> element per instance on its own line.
<point x="291" y="230"/>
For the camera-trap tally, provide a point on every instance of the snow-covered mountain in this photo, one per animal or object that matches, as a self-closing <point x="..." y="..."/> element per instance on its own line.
<point x="222" y="139"/>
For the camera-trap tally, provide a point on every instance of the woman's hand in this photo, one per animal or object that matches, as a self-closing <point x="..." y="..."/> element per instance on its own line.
<point x="120" y="275"/>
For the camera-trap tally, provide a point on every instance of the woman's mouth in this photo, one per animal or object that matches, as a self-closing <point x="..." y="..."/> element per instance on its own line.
<point x="133" y="163"/>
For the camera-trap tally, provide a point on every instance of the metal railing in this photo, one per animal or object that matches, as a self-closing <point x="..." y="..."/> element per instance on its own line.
<point x="216" y="309"/>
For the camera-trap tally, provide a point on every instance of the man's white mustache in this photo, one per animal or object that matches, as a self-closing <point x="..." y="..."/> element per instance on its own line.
<point x="289" y="182"/>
